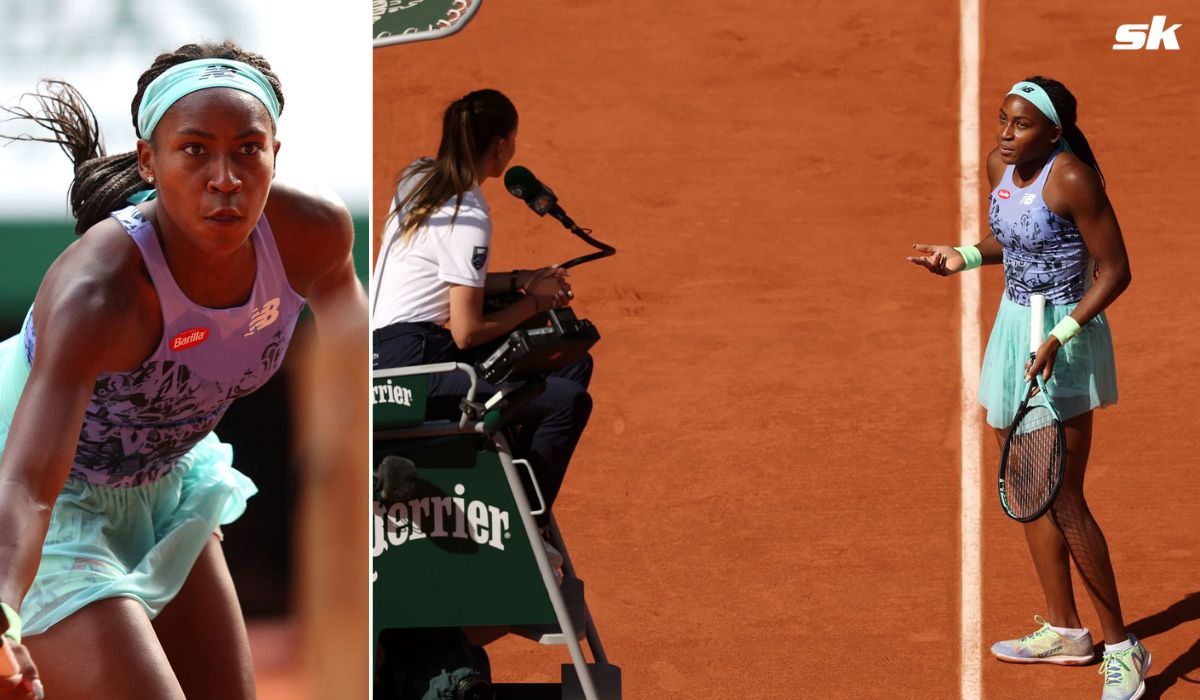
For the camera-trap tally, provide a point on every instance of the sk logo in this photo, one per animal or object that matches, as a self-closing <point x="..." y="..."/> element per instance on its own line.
<point x="1004" y="194"/>
<point x="1131" y="37"/>
<point x="263" y="317"/>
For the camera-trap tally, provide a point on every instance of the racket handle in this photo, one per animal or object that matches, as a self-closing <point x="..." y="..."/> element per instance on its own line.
<point x="8" y="663"/>
<point x="1037" y="321"/>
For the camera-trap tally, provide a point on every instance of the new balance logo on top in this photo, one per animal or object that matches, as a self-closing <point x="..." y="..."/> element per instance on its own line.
<point x="1132" y="37"/>
<point x="264" y="316"/>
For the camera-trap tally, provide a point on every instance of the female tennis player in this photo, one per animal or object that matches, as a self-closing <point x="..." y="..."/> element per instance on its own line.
<point x="141" y="334"/>
<point x="431" y="277"/>
<point x="1055" y="232"/>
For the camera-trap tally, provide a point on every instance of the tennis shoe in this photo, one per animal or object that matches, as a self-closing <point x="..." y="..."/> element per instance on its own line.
<point x="1045" y="646"/>
<point x="1125" y="672"/>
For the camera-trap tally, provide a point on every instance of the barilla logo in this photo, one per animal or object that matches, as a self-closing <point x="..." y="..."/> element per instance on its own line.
<point x="435" y="517"/>
<point x="1004" y="194"/>
<point x="189" y="338"/>
<point x="1134" y="37"/>
<point x="389" y="393"/>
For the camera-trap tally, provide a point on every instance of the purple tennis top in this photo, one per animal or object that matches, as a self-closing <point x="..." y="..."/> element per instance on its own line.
<point x="139" y="423"/>
<point x="1043" y="252"/>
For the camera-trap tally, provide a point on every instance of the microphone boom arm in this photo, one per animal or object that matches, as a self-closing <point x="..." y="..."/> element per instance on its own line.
<point x="604" y="250"/>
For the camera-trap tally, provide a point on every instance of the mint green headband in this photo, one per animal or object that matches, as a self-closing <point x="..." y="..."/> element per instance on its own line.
<point x="185" y="78"/>
<point x="1036" y="95"/>
<point x="188" y="77"/>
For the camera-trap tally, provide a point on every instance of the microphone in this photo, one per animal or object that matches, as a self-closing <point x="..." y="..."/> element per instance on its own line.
<point x="397" y="479"/>
<point x="541" y="199"/>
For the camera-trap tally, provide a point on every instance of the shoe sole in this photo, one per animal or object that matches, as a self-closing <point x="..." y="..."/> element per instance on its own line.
<point x="1056" y="660"/>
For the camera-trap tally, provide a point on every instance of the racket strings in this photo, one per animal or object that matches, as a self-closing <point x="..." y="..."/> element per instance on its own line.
<point x="1035" y="451"/>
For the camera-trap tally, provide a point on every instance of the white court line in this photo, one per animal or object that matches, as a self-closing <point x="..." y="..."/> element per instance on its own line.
<point x="970" y="686"/>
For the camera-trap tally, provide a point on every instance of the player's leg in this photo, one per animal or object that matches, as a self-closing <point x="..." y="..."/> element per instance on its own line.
<point x="203" y="633"/>
<point x="108" y="649"/>
<point x="1051" y="560"/>
<point x="1084" y="539"/>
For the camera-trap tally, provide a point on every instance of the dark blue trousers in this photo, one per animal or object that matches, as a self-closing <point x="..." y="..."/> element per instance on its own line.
<point x="550" y="425"/>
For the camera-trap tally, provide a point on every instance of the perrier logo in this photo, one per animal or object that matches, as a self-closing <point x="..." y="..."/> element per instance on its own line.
<point x="390" y="393"/>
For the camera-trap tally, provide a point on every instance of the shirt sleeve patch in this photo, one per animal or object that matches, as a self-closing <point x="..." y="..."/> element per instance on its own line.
<point x="479" y="257"/>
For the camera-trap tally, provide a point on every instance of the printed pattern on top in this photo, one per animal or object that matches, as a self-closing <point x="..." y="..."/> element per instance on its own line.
<point x="1043" y="252"/>
<point x="139" y="423"/>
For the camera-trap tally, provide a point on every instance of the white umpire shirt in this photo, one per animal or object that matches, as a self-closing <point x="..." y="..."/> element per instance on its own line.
<point x="413" y="276"/>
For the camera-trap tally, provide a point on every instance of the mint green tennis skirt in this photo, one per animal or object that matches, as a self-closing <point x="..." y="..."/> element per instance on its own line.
<point x="1084" y="377"/>
<point x="136" y="542"/>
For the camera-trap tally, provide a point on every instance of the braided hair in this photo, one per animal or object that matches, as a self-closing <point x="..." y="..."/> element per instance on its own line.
<point x="470" y="126"/>
<point x="1067" y="108"/>
<point x="102" y="182"/>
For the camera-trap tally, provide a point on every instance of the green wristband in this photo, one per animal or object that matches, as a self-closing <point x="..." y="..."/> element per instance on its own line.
<point x="14" y="623"/>
<point x="971" y="256"/>
<point x="1065" y="329"/>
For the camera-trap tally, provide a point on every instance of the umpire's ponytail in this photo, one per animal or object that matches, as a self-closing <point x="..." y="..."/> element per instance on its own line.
<point x="470" y="126"/>
<point x="1067" y="108"/>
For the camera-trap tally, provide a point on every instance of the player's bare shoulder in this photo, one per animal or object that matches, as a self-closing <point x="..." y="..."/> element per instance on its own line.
<point x="97" y="296"/>
<point x="313" y="231"/>
<point x="1073" y="186"/>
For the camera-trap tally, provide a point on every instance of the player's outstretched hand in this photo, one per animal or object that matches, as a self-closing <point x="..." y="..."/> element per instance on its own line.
<point x="941" y="260"/>
<point x="1043" y="361"/>
<point x="25" y="684"/>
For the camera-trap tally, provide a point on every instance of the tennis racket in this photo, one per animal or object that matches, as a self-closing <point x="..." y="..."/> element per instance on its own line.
<point x="1034" y="457"/>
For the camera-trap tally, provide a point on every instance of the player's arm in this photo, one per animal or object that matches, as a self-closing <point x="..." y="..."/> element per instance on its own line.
<point x="947" y="260"/>
<point x="1083" y="199"/>
<point x="315" y="236"/>
<point x="84" y="326"/>
<point x="1075" y="191"/>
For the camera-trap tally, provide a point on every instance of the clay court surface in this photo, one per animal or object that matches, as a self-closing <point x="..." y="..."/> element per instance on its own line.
<point x="766" y="503"/>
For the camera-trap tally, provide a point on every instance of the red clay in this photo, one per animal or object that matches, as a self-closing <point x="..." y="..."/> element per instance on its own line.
<point x="766" y="502"/>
